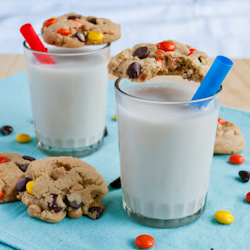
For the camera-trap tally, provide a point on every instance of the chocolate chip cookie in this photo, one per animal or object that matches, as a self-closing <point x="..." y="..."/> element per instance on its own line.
<point x="229" y="139"/>
<point x="73" y="30"/>
<point x="57" y="186"/>
<point x="12" y="168"/>
<point x="147" y="60"/>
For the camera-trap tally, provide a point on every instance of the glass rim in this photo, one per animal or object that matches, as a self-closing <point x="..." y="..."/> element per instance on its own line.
<point x="164" y="102"/>
<point x="106" y="46"/>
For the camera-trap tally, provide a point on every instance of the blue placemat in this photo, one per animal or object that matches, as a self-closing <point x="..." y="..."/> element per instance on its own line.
<point x="115" y="229"/>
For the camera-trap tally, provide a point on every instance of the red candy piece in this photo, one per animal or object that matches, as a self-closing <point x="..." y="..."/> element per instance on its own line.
<point x="47" y="23"/>
<point x="236" y="159"/>
<point x="3" y="159"/>
<point x="192" y="51"/>
<point x="1" y="194"/>
<point x="166" y="46"/>
<point x="144" y="241"/>
<point x="160" y="52"/>
<point x="64" y="32"/>
<point x="248" y="197"/>
<point x="159" y="60"/>
<point x="221" y="121"/>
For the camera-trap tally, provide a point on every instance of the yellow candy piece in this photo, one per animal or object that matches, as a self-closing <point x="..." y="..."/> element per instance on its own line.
<point x="224" y="217"/>
<point x="29" y="187"/>
<point x="53" y="18"/>
<point x="95" y="37"/>
<point x="23" y="138"/>
<point x="114" y="117"/>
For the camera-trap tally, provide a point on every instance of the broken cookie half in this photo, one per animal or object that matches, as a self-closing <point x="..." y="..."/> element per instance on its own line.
<point x="60" y="186"/>
<point x="146" y="60"/>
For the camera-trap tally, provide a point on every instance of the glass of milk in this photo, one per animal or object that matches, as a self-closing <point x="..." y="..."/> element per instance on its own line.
<point x="68" y="98"/>
<point x="166" y="147"/>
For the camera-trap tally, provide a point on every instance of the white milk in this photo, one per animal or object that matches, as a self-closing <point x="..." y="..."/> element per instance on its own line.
<point x="165" y="151"/>
<point x="68" y="101"/>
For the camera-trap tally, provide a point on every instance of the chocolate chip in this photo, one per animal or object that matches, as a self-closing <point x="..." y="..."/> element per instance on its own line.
<point x="98" y="211"/>
<point x="72" y="204"/>
<point x="80" y="36"/>
<point x="53" y="205"/>
<point x="116" y="183"/>
<point x="6" y="130"/>
<point x="134" y="70"/>
<point x="74" y="17"/>
<point x="244" y="175"/>
<point x="92" y="20"/>
<point x="23" y="166"/>
<point x="105" y="131"/>
<point x="200" y="59"/>
<point x="29" y="158"/>
<point x="142" y="52"/>
<point x="21" y="185"/>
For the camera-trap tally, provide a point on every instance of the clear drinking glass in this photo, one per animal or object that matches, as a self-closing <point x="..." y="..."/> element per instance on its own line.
<point x="166" y="151"/>
<point x="68" y="98"/>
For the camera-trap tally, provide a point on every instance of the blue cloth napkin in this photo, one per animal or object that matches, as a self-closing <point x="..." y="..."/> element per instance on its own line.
<point x="115" y="229"/>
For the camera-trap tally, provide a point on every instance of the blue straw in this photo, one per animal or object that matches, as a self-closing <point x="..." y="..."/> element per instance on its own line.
<point x="213" y="79"/>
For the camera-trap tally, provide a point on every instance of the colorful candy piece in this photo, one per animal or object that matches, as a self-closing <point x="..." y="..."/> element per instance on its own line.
<point x="23" y="138"/>
<point x="29" y="187"/>
<point x="64" y="32"/>
<point x="159" y="60"/>
<point x="144" y="241"/>
<point x="236" y="159"/>
<point x="1" y="194"/>
<point x="3" y="159"/>
<point x="21" y="185"/>
<point x="248" y="197"/>
<point x="159" y="52"/>
<point x="192" y="51"/>
<point x="115" y="117"/>
<point x="221" y="121"/>
<point x="224" y="217"/>
<point x="95" y="37"/>
<point x="244" y="175"/>
<point x="49" y="22"/>
<point x="6" y="130"/>
<point x="166" y="46"/>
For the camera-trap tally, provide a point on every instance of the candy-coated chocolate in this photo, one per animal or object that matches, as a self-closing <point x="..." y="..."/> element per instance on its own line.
<point x="114" y="117"/>
<point x="144" y="241"/>
<point x="47" y="23"/>
<point x="236" y="159"/>
<point x="159" y="60"/>
<point x="3" y="159"/>
<point x="64" y="32"/>
<point x="244" y="175"/>
<point x="248" y="197"/>
<point x="224" y="217"/>
<point x="166" y="46"/>
<point x="6" y="130"/>
<point x="1" y="194"/>
<point x="192" y="51"/>
<point x="160" y="52"/>
<point x="95" y="37"/>
<point x="23" y="138"/>
<point x="29" y="187"/>
<point x="221" y="121"/>
<point x="21" y="185"/>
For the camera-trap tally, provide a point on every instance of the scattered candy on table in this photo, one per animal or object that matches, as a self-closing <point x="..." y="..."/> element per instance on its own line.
<point x="244" y="175"/>
<point x="23" y="138"/>
<point x="224" y="217"/>
<point x="248" y="197"/>
<point x="144" y="241"/>
<point x="29" y="187"/>
<point x="236" y="159"/>
<point x="115" y="117"/>
<point x="95" y="37"/>
<point x="6" y="130"/>
<point x="3" y="159"/>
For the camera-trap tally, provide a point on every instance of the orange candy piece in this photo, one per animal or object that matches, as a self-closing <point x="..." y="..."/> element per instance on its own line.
<point x="1" y="194"/>
<point x="48" y="22"/>
<point x="236" y="159"/>
<point x="192" y="51"/>
<point x="248" y="197"/>
<point x="144" y="241"/>
<point x="166" y="46"/>
<point x="3" y="159"/>
<point x="159" y="52"/>
<point x="159" y="60"/>
<point x="221" y="121"/>
<point x="64" y="32"/>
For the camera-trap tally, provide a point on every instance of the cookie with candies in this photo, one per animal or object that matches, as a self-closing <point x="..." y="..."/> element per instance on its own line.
<point x="73" y="30"/>
<point x="146" y="60"/>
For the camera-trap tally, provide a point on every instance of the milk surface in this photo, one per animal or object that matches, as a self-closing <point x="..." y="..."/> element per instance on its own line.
<point x="165" y="151"/>
<point x="68" y="101"/>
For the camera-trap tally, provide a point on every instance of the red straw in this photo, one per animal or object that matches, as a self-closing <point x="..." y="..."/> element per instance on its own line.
<point x="35" y="43"/>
